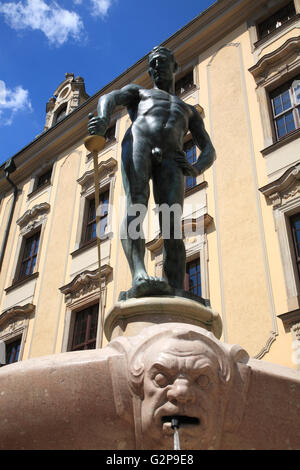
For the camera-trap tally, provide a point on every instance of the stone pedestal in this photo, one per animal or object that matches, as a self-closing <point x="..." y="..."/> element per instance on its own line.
<point x="128" y="318"/>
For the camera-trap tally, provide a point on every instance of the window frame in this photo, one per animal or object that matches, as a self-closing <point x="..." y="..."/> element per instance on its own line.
<point x="285" y="199"/>
<point x="193" y="178"/>
<point x="294" y="108"/>
<point x="193" y="261"/>
<point x="272" y="14"/>
<point x="63" y="107"/>
<point x="38" y="184"/>
<point x="35" y="187"/>
<point x="271" y="72"/>
<point x="296" y="244"/>
<point x="12" y="341"/>
<point x="22" y="259"/>
<point x="92" y="309"/>
<point x="182" y="76"/>
<point x="85" y="240"/>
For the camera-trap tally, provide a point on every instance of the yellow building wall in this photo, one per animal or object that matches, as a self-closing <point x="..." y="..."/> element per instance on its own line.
<point x="245" y="275"/>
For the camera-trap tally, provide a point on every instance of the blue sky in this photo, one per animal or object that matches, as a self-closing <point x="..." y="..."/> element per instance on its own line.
<point x="41" y="40"/>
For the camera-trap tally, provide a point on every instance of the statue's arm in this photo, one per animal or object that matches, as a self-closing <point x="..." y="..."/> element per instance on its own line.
<point x="127" y="96"/>
<point x="203" y="142"/>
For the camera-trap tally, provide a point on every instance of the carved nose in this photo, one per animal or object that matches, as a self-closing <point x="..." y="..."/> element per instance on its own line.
<point x="181" y="392"/>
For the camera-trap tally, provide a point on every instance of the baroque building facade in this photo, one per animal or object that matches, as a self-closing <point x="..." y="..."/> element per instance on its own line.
<point x="239" y="66"/>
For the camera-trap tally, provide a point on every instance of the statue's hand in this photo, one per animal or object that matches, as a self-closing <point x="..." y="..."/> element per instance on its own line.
<point x="97" y="125"/>
<point x="191" y="170"/>
<point x="186" y="167"/>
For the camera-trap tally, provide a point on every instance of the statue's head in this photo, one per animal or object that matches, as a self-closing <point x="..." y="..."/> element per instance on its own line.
<point x="180" y="371"/>
<point x="162" y="65"/>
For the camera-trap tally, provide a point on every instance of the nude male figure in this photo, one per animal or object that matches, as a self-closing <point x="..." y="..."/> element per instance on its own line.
<point x="153" y="149"/>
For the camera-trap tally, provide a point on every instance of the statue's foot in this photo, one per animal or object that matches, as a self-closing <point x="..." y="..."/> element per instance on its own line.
<point x="144" y="285"/>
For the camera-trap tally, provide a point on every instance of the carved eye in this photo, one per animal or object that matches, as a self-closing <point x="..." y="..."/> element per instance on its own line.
<point x="203" y="381"/>
<point x="161" y="380"/>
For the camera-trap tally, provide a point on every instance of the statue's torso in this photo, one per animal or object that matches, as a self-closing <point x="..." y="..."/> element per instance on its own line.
<point x="162" y="118"/>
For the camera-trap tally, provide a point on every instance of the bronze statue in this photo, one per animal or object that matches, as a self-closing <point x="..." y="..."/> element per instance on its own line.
<point x="153" y="148"/>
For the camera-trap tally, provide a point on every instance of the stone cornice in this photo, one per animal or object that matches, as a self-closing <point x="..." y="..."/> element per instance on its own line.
<point x="85" y="282"/>
<point x="286" y="53"/>
<point x="29" y="218"/>
<point x="286" y="186"/>
<point x="104" y="168"/>
<point x="16" y="311"/>
<point x="291" y="321"/>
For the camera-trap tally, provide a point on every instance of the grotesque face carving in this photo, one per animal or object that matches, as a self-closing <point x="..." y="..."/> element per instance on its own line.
<point x="183" y="371"/>
<point x="181" y="378"/>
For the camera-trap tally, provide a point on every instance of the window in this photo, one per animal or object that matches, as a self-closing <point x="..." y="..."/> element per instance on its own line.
<point x="191" y="155"/>
<point x="295" y="225"/>
<point x="13" y="351"/>
<point x="184" y="83"/>
<point x="89" y="232"/>
<point x="44" y="178"/>
<point x="85" y="329"/>
<point x="285" y="102"/>
<point x="193" y="277"/>
<point x="29" y="255"/>
<point x="61" y="113"/>
<point x="276" y="20"/>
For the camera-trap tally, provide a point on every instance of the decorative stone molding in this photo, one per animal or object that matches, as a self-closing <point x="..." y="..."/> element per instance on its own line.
<point x="85" y="283"/>
<point x="284" y="188"/>
<point x="278" y="61"/>
<point x="291" y="320"/>
<point x="291" y="323"/>
<point x="131" y="316"/>
<point x="70" y="93"/>
<point x="158" y="359"/>
<point x="284" y="195"/>
<point x="105" y="169"/>
<point x="14" y="317"/>
<point x="267" y="346"/>
<point x="34" y="217"/>
<point x="295" y="329"/>
<point x="14" y="324"/>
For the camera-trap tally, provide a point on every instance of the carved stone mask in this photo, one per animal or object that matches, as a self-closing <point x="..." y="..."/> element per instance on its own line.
<point x="180" y="379"/>
<point x="183" y="371"/>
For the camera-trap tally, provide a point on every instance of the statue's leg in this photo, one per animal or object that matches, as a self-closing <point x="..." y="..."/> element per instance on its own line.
<point x="168" y="186"/>
<point x="136" y="171"/>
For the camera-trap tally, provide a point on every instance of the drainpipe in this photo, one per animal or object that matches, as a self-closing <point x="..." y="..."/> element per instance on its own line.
<point x="9" y="168"/>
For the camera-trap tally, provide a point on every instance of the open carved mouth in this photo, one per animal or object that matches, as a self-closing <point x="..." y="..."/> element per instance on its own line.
<point x="181" y="420"/>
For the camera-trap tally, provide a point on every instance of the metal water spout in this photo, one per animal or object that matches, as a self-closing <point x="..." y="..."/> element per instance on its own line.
<point x="175" y="427"/>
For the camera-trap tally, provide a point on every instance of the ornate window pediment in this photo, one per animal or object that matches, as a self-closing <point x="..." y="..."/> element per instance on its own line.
<point x="105" y="169"/>
<point x="85" y="283"/>
<point x="14" y="324"/>
<point x="34" y="217"/>
<point x="284" y="195"/>
<point x="284" y="188"/>
<point x="277" y="61"/>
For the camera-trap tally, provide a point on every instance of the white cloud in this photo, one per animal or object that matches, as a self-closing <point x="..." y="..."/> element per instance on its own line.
<point x="55" y="22"/>
<point x="11" y="102"/>
<point x="100" y="7"/>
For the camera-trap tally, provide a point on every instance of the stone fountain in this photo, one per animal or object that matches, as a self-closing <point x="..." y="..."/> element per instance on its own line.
<point x="164" y="362"/>
<point x="124" y="396"/>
